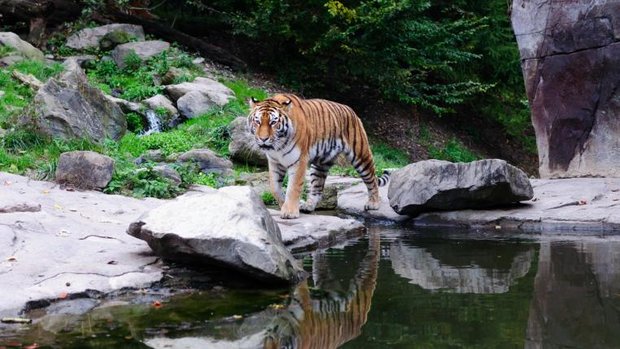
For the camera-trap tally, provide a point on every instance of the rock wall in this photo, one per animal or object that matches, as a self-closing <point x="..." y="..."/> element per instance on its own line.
<point x="570" y="57"/>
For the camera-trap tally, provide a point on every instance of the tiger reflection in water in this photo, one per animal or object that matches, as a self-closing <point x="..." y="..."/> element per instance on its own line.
<point x="328" y="322"/>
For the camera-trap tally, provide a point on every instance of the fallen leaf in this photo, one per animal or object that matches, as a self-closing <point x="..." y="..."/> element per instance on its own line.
<point x="12" y="259"/>
<point x="63" y="295"/>
<point x="237" y="317"/>
<point x="156" y="304"/>
<point x="45" y="191"/>
<point x="582" y="202"/>
<point x="7" y="183"/>
<point x="32" y="346"/>
<point x="113" y="262"/>
<point x="57" y="207"/>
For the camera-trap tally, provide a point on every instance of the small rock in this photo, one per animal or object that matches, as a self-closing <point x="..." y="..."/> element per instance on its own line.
<point x="144" y="50"/>
<point x="173" y="75"/>
<point x="84" y="169"/>
<point x="217" y="92"/>
<point x="198" y="60"/>
<point x="207" y="161"/>
<point x="193" y="104"/>
<point x="168" y="173"/>
<point x="90" y="38"/>
<point x="160" y="102"/>
<point x="152" y="155"/>
<point x="125" y="105"/>
<point x="113" y="38"/>
<point x="21" y="47"/>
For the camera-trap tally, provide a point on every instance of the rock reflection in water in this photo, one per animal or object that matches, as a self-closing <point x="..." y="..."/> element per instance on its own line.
<point x="423" y="268"/>
<point x="576" y="302"/>
<point x="322" y="318"/>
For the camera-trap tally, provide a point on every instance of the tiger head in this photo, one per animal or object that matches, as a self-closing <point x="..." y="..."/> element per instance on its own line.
<point x="269" y="122"/>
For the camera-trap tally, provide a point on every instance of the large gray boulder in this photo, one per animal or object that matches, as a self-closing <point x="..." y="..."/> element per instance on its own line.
<point x="207" y="161"/>
<point x="217" y="92"/>
<point x="242" y="147"/>
<point x="570" y="57"/>
<point x="144" y="50"/>
<point x="69" y="107"/>
<point x="435" y="185"/>
<point x="84" y="169"/>
<point x="22" y="48"/>
<point x="229" y="227"/>
<point x="90" y="38"/>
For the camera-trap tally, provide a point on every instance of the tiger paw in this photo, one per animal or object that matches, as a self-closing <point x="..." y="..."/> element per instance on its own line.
<point x="289" y="212"/>
<point x="306" y="207"/>
<point x="372" y="205"/>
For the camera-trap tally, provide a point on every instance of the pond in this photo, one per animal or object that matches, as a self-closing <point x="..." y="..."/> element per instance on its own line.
<point x="394" y="288"/>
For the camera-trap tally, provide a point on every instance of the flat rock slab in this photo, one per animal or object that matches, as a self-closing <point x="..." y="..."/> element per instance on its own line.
<point x="352" y="200"/>
<point x="55" y="242"/>
<point x="314" y="231"/>
<point x="581" y="206"/>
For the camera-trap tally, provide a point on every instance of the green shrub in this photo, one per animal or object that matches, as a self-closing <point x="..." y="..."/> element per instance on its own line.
<point x="268" y="198"/>
<point x="453" y="151"/>
<point x="135" y="122"/>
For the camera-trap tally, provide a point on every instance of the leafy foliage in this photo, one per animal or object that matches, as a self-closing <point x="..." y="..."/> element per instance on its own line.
<point x="394" y="46"/>
<point x="139" y="80"/>
<point x="453" y="151"/>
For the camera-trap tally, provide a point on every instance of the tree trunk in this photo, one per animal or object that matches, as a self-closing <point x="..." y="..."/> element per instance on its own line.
<point x="23" y="10"/>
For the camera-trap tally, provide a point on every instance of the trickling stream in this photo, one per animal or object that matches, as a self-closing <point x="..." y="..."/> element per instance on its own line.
<point x="154" y="123"/>
<point x="391" y="289"/>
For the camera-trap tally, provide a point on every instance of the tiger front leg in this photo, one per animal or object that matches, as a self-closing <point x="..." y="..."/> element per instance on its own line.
<point x="296" y="174"/>
<point x="276" y="179"/>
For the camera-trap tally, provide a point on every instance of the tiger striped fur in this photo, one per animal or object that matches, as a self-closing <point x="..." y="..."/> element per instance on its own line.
<point x="295" y="132"/>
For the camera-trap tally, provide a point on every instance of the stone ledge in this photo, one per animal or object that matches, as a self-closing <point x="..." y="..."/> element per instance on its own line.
<point x="576" y="206"/>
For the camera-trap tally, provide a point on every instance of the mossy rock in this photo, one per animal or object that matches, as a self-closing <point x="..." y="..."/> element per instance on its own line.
<point x="113" y="38"/>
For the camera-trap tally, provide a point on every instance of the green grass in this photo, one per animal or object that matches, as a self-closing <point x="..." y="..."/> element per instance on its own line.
<point x="140" y="80"/>
<point x="453" y="151"/>
<point x="6" y="51"/>
<point x="385" y="157"/>
<point x="16" y="95"/>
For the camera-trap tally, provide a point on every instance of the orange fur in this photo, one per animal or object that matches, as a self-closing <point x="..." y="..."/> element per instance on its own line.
<point x="320" y="130"/>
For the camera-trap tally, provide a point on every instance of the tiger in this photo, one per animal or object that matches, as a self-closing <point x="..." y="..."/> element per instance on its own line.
<point x="294" y="132"/>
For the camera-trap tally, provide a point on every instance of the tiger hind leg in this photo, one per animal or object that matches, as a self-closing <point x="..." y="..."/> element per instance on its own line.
<point x="366" y="169"/>
<point x="318" y="174"/>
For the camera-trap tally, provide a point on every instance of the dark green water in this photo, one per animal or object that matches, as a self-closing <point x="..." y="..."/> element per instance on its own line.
<point x="391" y="289"/>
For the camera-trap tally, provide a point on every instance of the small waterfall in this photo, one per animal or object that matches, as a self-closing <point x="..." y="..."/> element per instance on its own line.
<point x="154" y="122"/>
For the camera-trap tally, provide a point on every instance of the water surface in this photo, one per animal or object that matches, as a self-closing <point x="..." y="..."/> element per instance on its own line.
<point x="392" y="289"/>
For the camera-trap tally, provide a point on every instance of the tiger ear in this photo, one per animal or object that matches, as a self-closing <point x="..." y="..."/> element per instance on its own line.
<point x="252" y="102"/>
<point x="287" y="104"/>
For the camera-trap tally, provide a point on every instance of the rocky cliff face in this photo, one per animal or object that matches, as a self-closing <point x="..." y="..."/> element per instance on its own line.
<point x="570" y="56"/>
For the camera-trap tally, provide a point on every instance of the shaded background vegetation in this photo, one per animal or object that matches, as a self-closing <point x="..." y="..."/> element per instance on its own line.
<point x="450" y="58"/>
